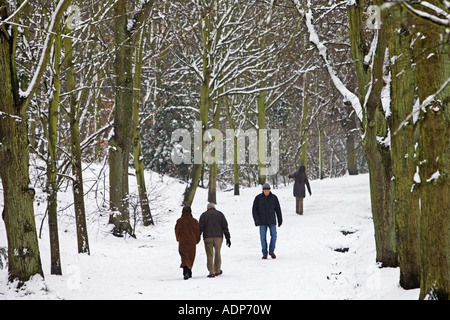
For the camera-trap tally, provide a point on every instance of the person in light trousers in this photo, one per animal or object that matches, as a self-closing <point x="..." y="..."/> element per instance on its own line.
<point x="214" y="226"/>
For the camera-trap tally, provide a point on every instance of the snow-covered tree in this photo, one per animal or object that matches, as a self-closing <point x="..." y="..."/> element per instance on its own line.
<point x="15" y="97"/>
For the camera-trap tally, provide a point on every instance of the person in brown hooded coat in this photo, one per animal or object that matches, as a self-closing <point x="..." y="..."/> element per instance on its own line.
<point x="187" y="232"/>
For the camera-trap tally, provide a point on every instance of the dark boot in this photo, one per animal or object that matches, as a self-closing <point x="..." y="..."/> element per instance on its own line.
<point x="186" y="273"/>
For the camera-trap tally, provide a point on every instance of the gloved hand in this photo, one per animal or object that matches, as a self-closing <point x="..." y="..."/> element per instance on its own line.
<point x="279" y="224"/>
<point x="229" y="243"/>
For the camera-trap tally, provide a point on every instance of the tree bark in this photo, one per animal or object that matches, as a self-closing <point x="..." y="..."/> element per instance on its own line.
<point x="374" y="124"/>
<point x="137" y="149"/>
<point x="23" y="251"/>
<point x="52" y="170"/>
<point x="262" y="138"/>
<point x="120" y="143"/>
<point x="304" y="122"/>
<point x="205" y="103"/>
<point x="432" y="59"/>
<point x="235" y="147"/>
<point x="261" y="102"/>
<point x="350" y="128"/>
<point x="212" y="190"/>
<point x="75" y="151"/>
<point x="18" y="213"/>
<point x="400" y="39"/>
<point x="321" y="157"/>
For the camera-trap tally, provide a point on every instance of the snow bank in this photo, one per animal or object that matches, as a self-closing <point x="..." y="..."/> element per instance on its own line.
<point x="328" y="253"/>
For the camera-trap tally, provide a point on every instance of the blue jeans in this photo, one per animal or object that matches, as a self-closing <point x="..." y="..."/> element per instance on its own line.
<point x="273" y="237"/>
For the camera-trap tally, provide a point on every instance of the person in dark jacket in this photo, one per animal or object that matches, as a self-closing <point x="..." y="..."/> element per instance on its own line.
<point x="214" y="226"/>
<point x="266" y="211"/>
<point x="187" y="233"/>
<point x="299" y="187"/>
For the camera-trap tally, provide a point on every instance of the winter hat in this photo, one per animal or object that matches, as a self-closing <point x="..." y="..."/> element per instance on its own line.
<point x="266" y="186"/>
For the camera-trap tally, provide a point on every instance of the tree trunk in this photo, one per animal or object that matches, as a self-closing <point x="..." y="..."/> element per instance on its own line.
<point x="235" y="147"/>
<point x="120" y="143"/>
<point x="350" y="128"/>
<point x="23" y="251"/>
<point x="374" y="124"/>
<point x="321" y="157"/>
<point x="137" y="149"/>
<point x="205" y="102"/>
<point x="52" y="184"/>
<point x="432" y="58"/>
<point x="212" y="190"/>
<point x="18" y="213"/>
<point x="304" y="121"/>
<point x="75" y="152"/>
<point x="381" y="193"/>
<point x="262" y="138"/>
<point x="406" y="207"/>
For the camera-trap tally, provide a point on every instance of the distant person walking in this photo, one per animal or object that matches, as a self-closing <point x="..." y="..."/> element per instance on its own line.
<point x="266" y="211"/>
<point x="299" y="187"/>
<point x="187" y="233"/>
<point x="214" y="226"/>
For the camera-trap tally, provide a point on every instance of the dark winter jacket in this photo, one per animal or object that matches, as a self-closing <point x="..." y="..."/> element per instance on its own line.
<point x="187" y="233"/>
<point x="267" y="210"/>
<point x="300" y="181"/>
<point x="213" y="224"/>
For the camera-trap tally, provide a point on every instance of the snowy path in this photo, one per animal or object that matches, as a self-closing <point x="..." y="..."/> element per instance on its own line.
<point x="307" y="266"/>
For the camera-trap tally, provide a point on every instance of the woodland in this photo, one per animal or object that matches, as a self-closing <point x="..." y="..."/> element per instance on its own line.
<point x="353" y="86"/>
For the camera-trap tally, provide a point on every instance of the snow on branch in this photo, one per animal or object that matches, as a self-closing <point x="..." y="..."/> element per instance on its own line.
<point x="314" y="39"/>
<point x="422" y="106"/>
<point x="14" y="14"/>
<point x="445" y="21"/>
<point x="6" y="115"/>
<point x="27" y="95"/>
<point x="141" y="13"/>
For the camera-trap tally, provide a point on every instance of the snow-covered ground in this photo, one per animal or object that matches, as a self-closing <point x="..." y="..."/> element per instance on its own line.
<point x="337" y="216"/>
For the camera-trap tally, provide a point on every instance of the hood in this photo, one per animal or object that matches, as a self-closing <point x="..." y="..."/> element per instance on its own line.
<point x="186" y="214"/>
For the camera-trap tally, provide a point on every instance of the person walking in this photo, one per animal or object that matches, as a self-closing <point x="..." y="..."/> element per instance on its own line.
<point x="299" y="187"/>
<point x="187" y="233"/>
<point x="266" y="211"/>
<point x="214" y="226"/>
